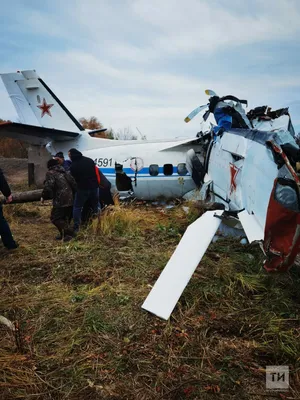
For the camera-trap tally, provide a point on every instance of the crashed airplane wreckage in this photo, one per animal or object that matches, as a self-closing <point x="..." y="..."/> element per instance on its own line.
<point x="248" y="163"/>
<point x="251" y="170"/>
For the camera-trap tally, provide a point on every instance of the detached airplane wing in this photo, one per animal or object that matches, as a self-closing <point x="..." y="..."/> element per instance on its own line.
<point x="35" y="134"/>
<point x="181" y="266"/>
<point x="251" y="227"/>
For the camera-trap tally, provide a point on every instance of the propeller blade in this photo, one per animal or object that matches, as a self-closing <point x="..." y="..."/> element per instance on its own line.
<point x="194" y="113"/>
<point x="210" y="93"/>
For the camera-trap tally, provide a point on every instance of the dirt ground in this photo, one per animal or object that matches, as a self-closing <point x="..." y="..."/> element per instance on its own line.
<point x="15" y="170"/>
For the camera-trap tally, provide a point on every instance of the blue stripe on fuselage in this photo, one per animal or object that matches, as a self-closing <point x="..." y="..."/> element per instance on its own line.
<point x="144" y="172"/>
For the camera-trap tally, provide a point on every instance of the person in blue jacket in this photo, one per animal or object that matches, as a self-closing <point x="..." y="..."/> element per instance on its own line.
<point x="66" y="164"/>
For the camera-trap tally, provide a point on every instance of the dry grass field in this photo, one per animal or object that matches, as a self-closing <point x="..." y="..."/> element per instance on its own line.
<point x="81" y="332"/>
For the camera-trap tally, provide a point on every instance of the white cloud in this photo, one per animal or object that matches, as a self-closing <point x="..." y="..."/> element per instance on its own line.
<point x="93" y="69"/>
<point x="205" y="26"/>
<point x="136" y="62"/>
<point x="142" y="30"/>
<point x="156" y="102"/>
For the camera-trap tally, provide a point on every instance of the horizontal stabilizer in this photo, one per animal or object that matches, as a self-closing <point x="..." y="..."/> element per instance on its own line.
<point x="92" y="133"/>
<point x="34" y="134"/>
<point x="181" y="266"/>
<point x="251" y="227"/>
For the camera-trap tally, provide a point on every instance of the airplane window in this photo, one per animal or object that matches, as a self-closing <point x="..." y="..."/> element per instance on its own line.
<point x="168" y="169"/>
<point x="181" y="168"/>
<point x="153" y="169"/>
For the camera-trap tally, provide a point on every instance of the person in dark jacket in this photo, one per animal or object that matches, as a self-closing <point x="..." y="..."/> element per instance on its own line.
<point x="60" y="186"/>
<point x="84" y="173"/>
<point x="105" y="197"/>
<point x="5" y="232"/>
<point x="104" y="191"/>
<point x="61" y="159"/>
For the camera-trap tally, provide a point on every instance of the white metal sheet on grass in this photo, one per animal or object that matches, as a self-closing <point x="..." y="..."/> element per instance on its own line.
<point x="251" y="227"/>
<point x="181" y="266"/>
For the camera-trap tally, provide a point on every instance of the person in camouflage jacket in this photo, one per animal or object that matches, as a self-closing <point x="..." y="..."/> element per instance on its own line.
<point x="61" y="187"/>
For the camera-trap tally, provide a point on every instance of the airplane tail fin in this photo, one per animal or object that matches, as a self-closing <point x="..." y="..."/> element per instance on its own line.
<point x="36" y="104"/>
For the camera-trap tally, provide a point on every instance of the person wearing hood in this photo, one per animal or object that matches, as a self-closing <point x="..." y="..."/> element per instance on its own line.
<point x="61" y="160"/>
<point x="60" y="186"/>
<point x="84" y="172"/>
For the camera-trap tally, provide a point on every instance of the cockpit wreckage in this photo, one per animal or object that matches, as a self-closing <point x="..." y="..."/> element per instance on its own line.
<point x="250" y="170"/>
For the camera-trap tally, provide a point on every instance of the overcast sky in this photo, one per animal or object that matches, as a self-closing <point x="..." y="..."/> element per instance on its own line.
<point x="146" y="63"/>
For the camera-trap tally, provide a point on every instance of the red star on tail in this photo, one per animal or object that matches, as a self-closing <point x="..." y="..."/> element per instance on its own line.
<point x="45" y="108"/>
<point x="233" y="173"/>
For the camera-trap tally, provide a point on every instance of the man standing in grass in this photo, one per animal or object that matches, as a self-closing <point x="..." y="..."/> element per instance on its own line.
<point x="60" y="186"/>
<point x="84" y="173"/>
<point x="5" y="231"/>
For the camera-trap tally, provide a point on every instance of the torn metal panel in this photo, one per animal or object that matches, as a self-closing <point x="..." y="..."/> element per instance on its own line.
<point x="251" y="226"/>
<point x="236" y="145"/>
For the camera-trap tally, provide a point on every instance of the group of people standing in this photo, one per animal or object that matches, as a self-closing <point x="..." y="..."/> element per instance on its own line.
<point x="75" y="187"/>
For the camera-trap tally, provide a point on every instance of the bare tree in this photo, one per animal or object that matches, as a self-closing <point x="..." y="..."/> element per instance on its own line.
<point x="125" y="134"/>
<point x="143" y="137"/>
<point x="122" y="134"/>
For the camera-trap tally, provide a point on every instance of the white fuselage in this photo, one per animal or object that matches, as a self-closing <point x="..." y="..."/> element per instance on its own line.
<point x="153" y="164"/>
<point x="242" y="171"/>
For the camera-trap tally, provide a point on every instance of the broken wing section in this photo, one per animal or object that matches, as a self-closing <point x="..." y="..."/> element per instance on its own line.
<point x="251" y="226"/>
<point x="181" y="266"/>
<point x="32" y="134"/>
